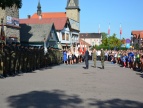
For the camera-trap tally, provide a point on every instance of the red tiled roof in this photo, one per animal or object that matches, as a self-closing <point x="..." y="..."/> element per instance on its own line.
<point x="59" y="23"/>
<point x="138" y="33"/>
<point x="50" y="15"/>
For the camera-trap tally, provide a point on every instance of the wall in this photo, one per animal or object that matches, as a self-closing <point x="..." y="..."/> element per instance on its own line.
<point x="13" y="12"/>
<point x="93" y="41"/>
<point x="73" y="14"/>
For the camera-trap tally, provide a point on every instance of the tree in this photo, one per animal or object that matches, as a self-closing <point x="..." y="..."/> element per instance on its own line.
<point x="10" y="3"/>
<point x="104" y="39"/>
<point x="110" y="41"/>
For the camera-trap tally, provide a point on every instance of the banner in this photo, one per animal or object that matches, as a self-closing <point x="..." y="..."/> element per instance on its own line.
<point x="128" y="41"/>
<point x="12" y="21"/>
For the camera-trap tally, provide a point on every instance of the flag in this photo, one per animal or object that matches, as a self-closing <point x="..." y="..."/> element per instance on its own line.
<point x="109" y="30"/>
<point x="99" y="28"/>
<point x="120" y="29"/>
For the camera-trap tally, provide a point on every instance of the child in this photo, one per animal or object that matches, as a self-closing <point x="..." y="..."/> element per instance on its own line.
<point x="124" y="60"/>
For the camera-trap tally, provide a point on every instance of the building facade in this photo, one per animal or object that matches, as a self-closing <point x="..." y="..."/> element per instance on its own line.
<point x="38" y="32"/>
<point x="91" y="38"/>
<point x="137" y="39"/>
<point x="68" y="33"/>
<point x="10" y="23"/>
<point x="73" y="13"/>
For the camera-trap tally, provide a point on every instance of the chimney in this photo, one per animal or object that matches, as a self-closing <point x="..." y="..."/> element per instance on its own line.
<point x="29" y="16"/>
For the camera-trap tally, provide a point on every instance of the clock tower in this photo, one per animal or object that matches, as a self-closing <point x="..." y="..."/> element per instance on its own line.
<point x="73" y="10"/>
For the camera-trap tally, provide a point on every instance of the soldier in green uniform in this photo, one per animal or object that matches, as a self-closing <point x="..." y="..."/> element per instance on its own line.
<point x="6" y="60"/>
<point x="102" y="58"/>
<point x="18" y="57"/>
<point x="50" y="56"/>
<point x="1" y="59"/>
<point x="22" y="50"/>
<point x="13" y="59"/>
<point x="94" y="57"/>
<point x="34" y="58"/>
<point x="25" y="59"/>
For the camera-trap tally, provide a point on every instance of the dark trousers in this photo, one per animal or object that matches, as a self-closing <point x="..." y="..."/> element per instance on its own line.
<point x="86" y="63"/>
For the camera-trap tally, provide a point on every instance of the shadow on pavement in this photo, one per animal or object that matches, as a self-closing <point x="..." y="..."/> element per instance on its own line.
<point x="115" y="103"/>
<point x="141" y="75"/>
<point x="59" y="99"/>
<point x="44" y="99"/>
<point x="99" y="67"/>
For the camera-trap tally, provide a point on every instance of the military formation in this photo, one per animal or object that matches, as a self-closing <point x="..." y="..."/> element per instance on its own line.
<point x="16" y="59"/>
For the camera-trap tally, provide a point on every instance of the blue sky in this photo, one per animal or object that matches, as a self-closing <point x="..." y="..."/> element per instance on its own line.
<point x="128" y="13"/>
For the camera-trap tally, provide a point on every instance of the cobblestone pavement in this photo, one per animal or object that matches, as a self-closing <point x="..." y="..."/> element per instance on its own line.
<point x="72" y="86"/>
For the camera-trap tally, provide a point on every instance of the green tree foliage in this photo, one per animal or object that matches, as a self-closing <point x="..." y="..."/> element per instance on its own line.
<point x="10" y="3"/>
<point x="110" y="41"/>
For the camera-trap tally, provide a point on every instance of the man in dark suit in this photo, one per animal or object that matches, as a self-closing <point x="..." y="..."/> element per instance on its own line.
<point x="86" y="58"/>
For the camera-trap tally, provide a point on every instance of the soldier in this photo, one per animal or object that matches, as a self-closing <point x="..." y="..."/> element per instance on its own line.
<point x="102" y="58"/>
<point x="34" y="58"/>
<point x="50" y="56"/>
<point x="18" y="57"/>
<point x="30" y="59"/>
<point x="6" y="61"/>
<point x="13" y="59"/>
<point x="1" y="59"/>
<point x="25" y="59"/>
<point x="94" y="57"/>
<point x="37" y="58"/>
<point x="41" y="52"/>
<point x="22" y="50"/>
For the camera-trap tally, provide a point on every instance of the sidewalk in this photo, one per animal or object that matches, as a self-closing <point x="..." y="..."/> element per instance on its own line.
<point x="72" y="86"/>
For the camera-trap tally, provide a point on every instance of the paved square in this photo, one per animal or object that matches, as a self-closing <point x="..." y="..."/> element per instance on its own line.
<point x="72" y="86"/>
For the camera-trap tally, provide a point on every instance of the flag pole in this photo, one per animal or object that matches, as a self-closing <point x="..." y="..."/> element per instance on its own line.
<point x="99" y="28"/>
<point x="108" y="36"/>
<point x="120" y="32"/>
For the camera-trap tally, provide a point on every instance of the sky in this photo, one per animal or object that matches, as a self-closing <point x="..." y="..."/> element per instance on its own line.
<point x="127" y="13"/>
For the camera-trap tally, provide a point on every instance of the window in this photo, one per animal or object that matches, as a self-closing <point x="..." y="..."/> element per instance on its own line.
<point x="52" y="35"/>
<point x="63" y="36"/>
<point x="67" y="36"/>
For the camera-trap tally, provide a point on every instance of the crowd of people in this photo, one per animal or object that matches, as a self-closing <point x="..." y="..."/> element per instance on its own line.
<point x="130" y="58"/>
<point x="16" y="58"/>
<point x="74" y="57"/>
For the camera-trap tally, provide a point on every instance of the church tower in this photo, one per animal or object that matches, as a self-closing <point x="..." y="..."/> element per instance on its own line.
<point x="39" y="11"/>
<point x="73" y="10"/>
